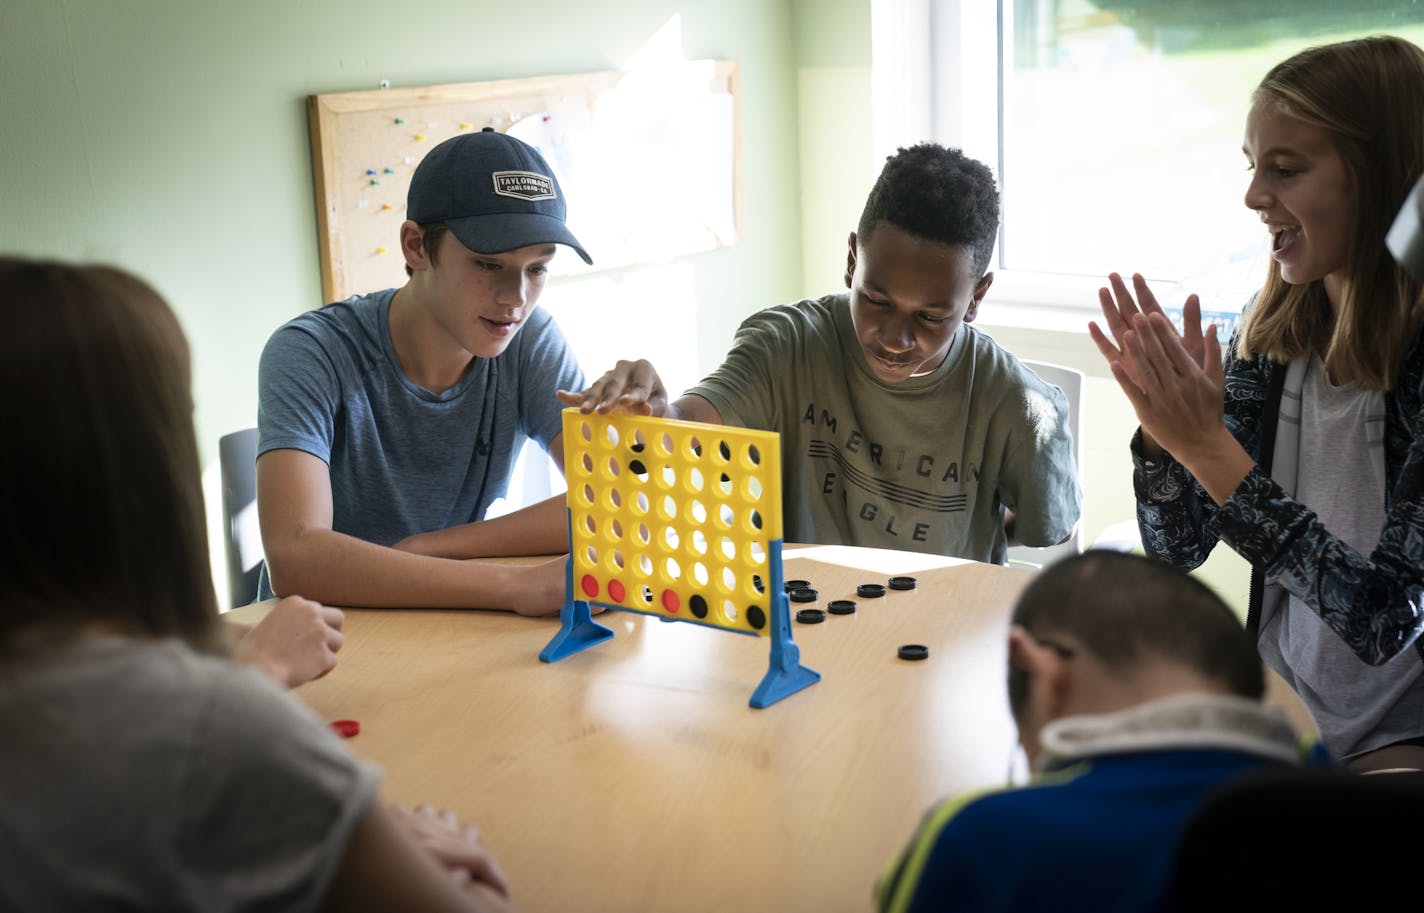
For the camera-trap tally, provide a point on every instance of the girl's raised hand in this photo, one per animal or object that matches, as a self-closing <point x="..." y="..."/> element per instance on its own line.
<point x="1119" y="310"/>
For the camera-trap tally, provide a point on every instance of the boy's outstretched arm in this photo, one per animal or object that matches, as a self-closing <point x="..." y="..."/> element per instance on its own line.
<point x="634" y="387"/>
<point x="305" y="556"/>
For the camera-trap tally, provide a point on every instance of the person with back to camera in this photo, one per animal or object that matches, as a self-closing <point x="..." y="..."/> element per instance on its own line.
<point x="1136" y="694"/>
<point x="140" y="768"/>
<point x="902" y="427"/>
<point x="1304" y="452"/>
<point x="388" y="418"/>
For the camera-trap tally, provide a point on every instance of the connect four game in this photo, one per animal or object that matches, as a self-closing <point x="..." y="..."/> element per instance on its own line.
<point x="681" y="521"/>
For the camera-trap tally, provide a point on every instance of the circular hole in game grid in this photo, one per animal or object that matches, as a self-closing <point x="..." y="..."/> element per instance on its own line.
<point x="673" y="569"/>
<point x="751" y="489"/>
<point x="728" y="583"/>
<point x="610" y="434"/>
<point x="729" y="609"/>
<point x="695" y="480"/>
<point x="613" y="468"/>
<point x="643" y="535"/>
<point x="697" y="542"/>
<point x="664" y="446"/>
<point x="751" y="523"/>
<point x="727" y="547"/>
<point x="670" y="539"/>
<point x="615" y="561"/>
<point x="698" y="511"/>
<point x="752" y="457"/>
<point x="756" y="553"/>
<point x="667" y="478"/>
<point x="585" y="431"/>
<point x="699" y="573"/>
<point x="591" y="554"/>
<point x="586" y="463"/>
<point x="640" y="504"/>
<point x="645" y="566"/>
<point x="725" y="516"/>
<point x="587" y="496"/>
<point x="613" y="499"/>
<point x="589" y="524"/>
<point x="667" y="508"/>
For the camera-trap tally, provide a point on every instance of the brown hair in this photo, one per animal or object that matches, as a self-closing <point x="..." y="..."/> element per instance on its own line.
<point x="1368" y="94"/>
<point x="103" y="519"/>
<point x="1128" y="610"/>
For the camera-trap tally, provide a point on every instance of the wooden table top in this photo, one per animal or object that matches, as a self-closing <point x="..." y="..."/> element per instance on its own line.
<point x="633" y="776"/>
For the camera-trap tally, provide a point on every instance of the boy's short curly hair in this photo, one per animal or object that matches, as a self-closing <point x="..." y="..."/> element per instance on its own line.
<point x="939" y="194"/>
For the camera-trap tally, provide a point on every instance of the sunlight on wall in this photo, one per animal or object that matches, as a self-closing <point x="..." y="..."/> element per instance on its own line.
<point x="649" y="312"/>
<point x="663" y="48"/>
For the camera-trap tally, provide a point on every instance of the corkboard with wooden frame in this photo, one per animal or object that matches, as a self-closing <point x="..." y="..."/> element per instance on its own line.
<point x="648" y="160"/>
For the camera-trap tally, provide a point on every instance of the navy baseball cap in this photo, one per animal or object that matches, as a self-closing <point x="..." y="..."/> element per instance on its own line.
<point x="495" y="192"/>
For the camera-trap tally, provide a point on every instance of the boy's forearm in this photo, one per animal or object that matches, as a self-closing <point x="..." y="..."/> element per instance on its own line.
<point x="341" y="570"/>
<point x="539" y="529"/>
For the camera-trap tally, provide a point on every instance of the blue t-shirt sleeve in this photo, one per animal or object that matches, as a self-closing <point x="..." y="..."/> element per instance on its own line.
<point x="546" y="364"/>
<point x="298" y="393"/>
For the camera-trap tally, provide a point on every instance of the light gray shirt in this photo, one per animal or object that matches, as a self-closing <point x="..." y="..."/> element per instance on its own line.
<point x="1339" y="472"/>
<point x="140" y="775"/>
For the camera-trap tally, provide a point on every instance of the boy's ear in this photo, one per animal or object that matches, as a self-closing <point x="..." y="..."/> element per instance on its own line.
<point x="850" y="260"/>
<point x="412" y="244"/>
<point x="1048" y="674"/>
<point x="981" y="288"/>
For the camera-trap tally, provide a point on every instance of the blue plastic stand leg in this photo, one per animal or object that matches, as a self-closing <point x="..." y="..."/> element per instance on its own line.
<point x="578" y="632"/>
<point x="577" y="629"/>
<point x="786" y="675"/>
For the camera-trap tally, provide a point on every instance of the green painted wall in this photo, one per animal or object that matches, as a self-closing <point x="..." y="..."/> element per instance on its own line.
<point x="170" y="137"/>
<point x="832" y="47"/>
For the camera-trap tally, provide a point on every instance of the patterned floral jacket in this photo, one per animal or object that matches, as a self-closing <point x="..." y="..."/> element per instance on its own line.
<point x="1374" y="602"/>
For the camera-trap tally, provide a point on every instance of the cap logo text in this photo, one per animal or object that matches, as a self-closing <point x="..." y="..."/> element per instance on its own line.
<point x="524" y="185"/>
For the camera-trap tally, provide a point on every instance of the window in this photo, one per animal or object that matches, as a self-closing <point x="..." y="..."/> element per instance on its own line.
<point x="1115" y="128"/>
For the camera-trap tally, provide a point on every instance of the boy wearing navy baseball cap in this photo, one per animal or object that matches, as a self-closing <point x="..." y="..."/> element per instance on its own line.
<point x="401" y="412"/>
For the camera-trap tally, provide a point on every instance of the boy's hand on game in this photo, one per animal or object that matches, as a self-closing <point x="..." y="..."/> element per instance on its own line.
<point x="295" y="643"/>
<point x="632" y="387"/>
<point x="457" y="848"/>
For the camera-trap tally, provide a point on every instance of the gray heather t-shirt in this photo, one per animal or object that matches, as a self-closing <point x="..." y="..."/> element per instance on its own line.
<point x="404" y="460"/>
<point x="926" y="465"/>
<point x="1340" y="475"/>
<point x="140" y="775"/>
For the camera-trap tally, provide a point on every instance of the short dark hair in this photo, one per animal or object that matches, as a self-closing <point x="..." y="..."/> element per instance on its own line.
<point x="938" y="194"/>
<point x="99" y="474"/>
<point x="1125" y="608"/>
<point x="431" y="234"/>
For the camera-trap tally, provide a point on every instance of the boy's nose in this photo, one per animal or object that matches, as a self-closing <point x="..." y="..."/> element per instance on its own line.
<point x="898" y="336"/>
<point x="513" y="291"/>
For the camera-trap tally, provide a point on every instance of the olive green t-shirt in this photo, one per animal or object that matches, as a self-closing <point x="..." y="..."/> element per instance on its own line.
<point x="927" y="465"/>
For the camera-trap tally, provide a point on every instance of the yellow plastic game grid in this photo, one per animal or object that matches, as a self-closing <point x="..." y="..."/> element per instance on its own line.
<point x="674" y="519"/>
